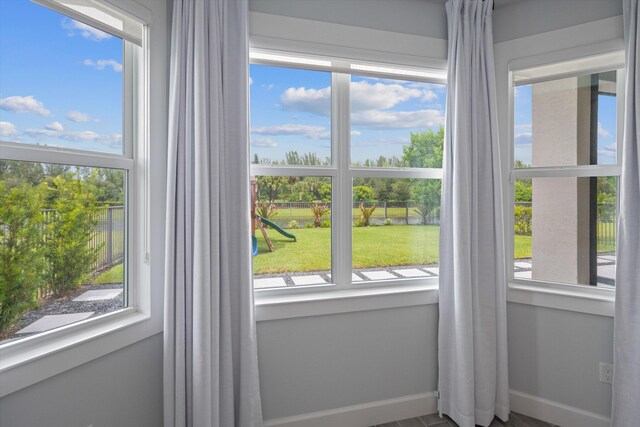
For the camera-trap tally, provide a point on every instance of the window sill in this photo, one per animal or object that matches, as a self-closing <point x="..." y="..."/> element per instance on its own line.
<point x="343" y="301"/>
<point x="581" y="299"/>
<point x="30" y="360"/>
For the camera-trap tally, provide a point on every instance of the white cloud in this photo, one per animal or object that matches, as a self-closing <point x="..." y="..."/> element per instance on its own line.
<point x="86" y="31"/>
<point x="263" y="142"/>
<point x="523" y="139"/>
<point x="602" y="132"/>
<point x="316" y="101"/>
<point x="24" y="104"/>
<point x="101" y="64"/>
<point x="356" y="133"/>
<point x="376" y="119"/>
<point x="77" y="116"/>
<point x="308" y="131"/>
<point x="8" y="129"/>
<point x="522" y="129"/>
<point x="112" y="140"/>
<point x="55" y="126"/>
<point x="428" y="95"/>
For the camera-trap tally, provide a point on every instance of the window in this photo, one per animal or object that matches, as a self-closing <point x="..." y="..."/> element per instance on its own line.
<point x="565" y="169"/>
<point x="69" y="163"/>
<point x="346" y="172"/>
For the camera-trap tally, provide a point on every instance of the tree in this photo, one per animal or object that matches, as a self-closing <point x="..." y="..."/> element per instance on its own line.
<point x="67" y="245"/>
<point x="425" y="151"/>
<point x="362" y="193"/>
<point x="21" y="262"/>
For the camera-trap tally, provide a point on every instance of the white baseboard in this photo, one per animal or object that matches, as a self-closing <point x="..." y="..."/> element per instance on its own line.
<point x="366" y="414"/>
<point x="554" y="412"/>
<point x="384" y="411"/>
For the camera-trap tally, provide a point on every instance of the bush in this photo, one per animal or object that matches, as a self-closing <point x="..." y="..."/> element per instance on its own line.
<point x="387" y="221"/>
<point x="20" y="250"/>
<point x="365" y="215"/>
<point x="326" y="224"/>
<point x="308" y="225"/>
<point x="266" y="210"/>
<point x="319" y="211"/>
<point x="293" y="224"/>
<point x="67" y="244"/>
<point x="522" y="220"/>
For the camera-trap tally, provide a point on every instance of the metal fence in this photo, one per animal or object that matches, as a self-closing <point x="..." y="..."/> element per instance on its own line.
<point x="397" y="213"/>
<point x="605" y="230"/>
<point x="107" y="236"/>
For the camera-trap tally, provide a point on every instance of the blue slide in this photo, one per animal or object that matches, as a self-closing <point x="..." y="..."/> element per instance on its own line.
<point x="254" y="245"/>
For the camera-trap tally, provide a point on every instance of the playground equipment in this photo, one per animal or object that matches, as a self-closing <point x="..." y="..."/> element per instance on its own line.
<point x="260" y="222"/>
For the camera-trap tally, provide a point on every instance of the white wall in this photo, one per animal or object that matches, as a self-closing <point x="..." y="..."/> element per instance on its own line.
<point x="121" y="389"/>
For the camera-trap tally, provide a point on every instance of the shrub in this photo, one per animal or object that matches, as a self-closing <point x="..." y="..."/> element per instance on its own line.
<point x="293" y="224"/>
<point x="67" y="244"/>
<point x="366" y="215"/>
<point x="21" y="259"/>
<point x="522" y="220"/>
<point x="319" y="211"/>
<point x="387" y="221"/>
<point x="308" y="225"/>
<point x="326" y="224"/>
<point x="266" y="210"/>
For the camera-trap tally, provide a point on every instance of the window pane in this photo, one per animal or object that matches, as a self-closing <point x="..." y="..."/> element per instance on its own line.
<point x="290" y="116"/>
<point x="565" y="230"/>
<point x="396" y="228"/>
<point x="566" y="122"/>
<point x="61" y="80"/>
<point x="396" y="123"/>
<point x="62" y="245"/>
<point x="291" y="231"/>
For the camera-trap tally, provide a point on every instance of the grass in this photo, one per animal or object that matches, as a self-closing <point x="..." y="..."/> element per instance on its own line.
<point x="382" y="246"/>
<point x="113" y="275"/>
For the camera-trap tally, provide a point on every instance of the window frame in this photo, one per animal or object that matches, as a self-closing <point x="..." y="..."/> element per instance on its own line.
<point x="342" y="173"/>
<point x="569" y="296"/>
<point x="40" y="356"/>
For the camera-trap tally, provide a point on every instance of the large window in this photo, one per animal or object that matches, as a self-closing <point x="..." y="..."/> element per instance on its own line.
<point x="346" y="173"/>
<point x="69" y="110"/>
<point x="565" y="170"/>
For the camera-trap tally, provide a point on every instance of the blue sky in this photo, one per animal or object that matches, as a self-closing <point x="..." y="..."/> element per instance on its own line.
<point x="60" y="80"/>
<point x="523" y="129"/>
<point x="290" y="110"/>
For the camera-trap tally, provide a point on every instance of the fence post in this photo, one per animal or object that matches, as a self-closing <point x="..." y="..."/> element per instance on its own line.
<point x="385" y="210"/>
<point x="406" y="214"/>
<point x="109" y="236"/>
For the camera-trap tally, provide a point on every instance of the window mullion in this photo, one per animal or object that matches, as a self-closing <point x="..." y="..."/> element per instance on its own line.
<point x="341" y="215"/>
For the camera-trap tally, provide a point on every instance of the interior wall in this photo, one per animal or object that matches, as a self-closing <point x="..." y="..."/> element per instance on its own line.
<point x="319" y="363"/>
<point x="417" y="17"/>
<point x="123" y="388"/>
<point x="524" y="18"/>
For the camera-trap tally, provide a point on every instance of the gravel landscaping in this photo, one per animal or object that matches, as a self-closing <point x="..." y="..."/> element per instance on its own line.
<point x="66" y="305"/>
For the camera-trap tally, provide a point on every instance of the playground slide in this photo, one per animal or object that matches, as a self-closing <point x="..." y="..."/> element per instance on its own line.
<point x="275" y="227"/>
<point x="254" y="246"/>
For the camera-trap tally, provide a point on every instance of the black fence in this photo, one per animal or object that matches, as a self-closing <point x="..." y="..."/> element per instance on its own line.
<point x="300" y="214"/>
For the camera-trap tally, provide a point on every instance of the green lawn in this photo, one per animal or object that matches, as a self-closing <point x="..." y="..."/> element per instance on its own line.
<point x="113" y="275"/>
<point x="380" y="246"/>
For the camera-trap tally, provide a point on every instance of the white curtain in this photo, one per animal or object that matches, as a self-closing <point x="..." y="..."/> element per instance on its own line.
<point x="626" y="352"/>
<point x="210" y="356"/>
<point x="472" y="337"/>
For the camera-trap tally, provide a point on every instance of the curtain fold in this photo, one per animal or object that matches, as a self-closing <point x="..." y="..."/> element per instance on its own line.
<point x="472" y="336"/>
<point x="210" y="355"/>
<point x="626" y="352"/>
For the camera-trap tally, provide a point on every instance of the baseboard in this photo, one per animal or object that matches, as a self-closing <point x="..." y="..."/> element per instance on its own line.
<point x="366" y="414"/>
<point x="554" y="412"/>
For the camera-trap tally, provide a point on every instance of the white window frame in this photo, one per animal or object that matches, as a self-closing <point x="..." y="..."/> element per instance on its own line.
<point x="26" y="361"/>
<point x="556" y="65"/>
<point x="342" y="173"/>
